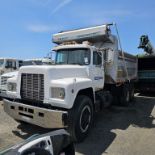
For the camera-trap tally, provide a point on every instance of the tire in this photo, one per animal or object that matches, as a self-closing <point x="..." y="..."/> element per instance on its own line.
<point x="115" y="95"/>
<point x="105" y="99"/>
<point x="80" y="118"/>
<point x="124" y="97"/>
<point x="70" y="150"/>
<point x="132" y="91"/>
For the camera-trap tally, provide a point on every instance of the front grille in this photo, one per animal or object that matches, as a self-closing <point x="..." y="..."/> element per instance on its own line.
<point x="4" y="80"/>
<point x="32" y="87"/>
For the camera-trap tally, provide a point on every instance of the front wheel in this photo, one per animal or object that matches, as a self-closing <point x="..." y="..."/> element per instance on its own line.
<point x="81" y="118"/>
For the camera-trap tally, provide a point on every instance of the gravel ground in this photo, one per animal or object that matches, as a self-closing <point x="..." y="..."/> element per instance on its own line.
<point x="116" y="131"/>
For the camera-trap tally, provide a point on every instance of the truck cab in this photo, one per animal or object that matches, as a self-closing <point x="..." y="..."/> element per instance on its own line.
<point x="9" y="65"/>
<point x="86" y="56"/>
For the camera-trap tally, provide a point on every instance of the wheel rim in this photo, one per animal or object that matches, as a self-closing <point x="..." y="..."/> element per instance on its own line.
<point x="85" y="118"/>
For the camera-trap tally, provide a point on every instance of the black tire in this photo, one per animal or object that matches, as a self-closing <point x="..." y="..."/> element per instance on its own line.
<point x="124" y="97"/>
<point x="81" y="118"/>
<point x="115" y="95"/>
<point x="132" y="91"/>
<point x="69" y="150"/>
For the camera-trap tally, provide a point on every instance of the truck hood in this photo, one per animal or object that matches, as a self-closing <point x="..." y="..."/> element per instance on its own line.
<point x="57" y="71"/>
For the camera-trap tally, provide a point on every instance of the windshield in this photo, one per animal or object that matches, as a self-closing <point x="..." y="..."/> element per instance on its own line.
<point x="1" y="62"/>
<point x="29" y="63"/>
<point x="73" y="56"/>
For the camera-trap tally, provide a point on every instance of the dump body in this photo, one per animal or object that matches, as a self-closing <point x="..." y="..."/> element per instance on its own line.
<point x="123" y="68"/>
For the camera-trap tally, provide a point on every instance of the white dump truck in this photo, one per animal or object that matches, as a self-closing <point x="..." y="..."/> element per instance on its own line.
<point x="89" y="73"/>
<point x="9" y="65"/>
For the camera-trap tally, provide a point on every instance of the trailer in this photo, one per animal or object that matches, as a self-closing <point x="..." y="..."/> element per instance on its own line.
<point x="90" y="73"/>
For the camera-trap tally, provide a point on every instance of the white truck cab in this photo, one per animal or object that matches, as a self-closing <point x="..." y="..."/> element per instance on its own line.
<point x="9" y="65"/>
<point x="89" y="73"/>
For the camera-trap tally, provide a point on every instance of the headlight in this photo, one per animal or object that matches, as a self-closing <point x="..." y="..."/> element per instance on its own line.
<point x="58" y="92"/>
<point x="12" y="87"/>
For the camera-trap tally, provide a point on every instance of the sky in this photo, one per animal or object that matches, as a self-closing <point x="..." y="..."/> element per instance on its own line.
<point x="26" y="26"/>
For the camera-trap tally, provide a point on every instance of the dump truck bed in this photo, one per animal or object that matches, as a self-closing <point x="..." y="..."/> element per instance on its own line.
<point x="123" y="68"/>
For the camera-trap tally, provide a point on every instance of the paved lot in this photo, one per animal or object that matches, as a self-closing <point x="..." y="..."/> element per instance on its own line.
<point x="116" y="131"/>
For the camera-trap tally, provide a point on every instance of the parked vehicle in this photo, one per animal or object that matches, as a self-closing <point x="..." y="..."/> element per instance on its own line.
<point x="89" y="73"/>
<point x="52" y="143"/>
<point x="146" y="66"/>
<point x="9" y="65"/>
<point x="3" y="83"/>
<point x="4" y="77"/>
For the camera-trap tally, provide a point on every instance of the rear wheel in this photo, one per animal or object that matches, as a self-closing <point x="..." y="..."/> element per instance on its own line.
<point x="81" y="118"/>
<point x="69" y="150"/>
<point x="132" y="91"/>
<point x="124" y="97"/>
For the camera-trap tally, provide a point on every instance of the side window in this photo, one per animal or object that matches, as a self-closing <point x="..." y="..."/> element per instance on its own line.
<point x="14" y="64"/>
<point x="9" y="64"/>
<point x="97" y="59"/>
<point x="20" y="63"/>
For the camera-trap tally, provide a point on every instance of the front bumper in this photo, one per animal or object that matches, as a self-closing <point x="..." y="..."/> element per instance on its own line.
<point x="42" y="117"/>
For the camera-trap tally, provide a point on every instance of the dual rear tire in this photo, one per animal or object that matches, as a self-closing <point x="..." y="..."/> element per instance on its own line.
<point x="123" y="94"/>
<point x="127" y="94"/>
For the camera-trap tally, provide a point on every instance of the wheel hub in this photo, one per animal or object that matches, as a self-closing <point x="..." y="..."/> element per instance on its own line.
<point x="85" y="118"/>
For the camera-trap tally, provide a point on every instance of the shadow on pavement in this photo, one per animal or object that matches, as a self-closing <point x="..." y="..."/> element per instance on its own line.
<point x="101" y="136"/>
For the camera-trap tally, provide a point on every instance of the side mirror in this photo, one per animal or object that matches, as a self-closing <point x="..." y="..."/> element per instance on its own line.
<point x="53" y="143"/>
<point x="39" y="146"/>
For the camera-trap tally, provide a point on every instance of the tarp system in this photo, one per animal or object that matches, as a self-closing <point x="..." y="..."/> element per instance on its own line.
<point x="80" y="35"/>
